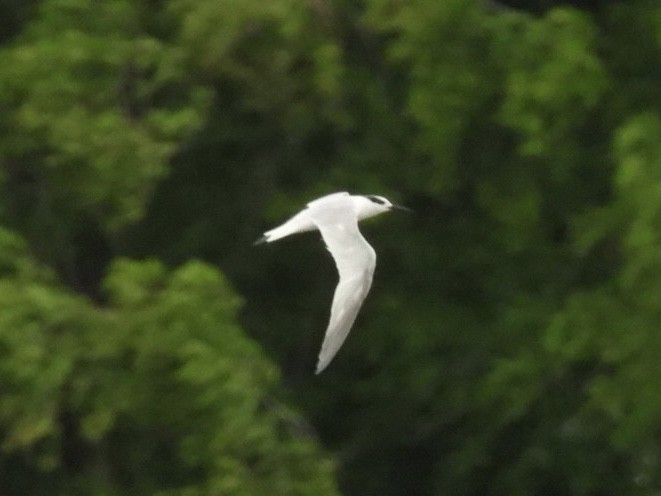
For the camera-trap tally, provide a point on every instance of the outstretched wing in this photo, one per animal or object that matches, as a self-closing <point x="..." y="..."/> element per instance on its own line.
<point x="355" y="260"/>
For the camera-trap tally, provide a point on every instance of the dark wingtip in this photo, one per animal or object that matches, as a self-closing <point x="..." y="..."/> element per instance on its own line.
<point x="260" y="241"/>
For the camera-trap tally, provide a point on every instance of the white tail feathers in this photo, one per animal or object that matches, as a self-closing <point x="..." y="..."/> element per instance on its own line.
<point x="299" y="223"/>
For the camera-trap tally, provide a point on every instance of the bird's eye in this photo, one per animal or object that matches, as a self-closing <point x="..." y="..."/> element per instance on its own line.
<point x="376" y="199"/>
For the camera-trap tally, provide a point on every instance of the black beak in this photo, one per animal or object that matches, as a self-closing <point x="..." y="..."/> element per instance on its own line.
<point x="399" y="207"/>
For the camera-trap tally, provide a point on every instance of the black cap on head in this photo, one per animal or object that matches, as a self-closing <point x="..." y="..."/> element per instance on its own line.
<point x="375" y="199"/>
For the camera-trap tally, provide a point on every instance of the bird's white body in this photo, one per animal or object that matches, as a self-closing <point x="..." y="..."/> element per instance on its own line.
<point x="336" y="216"/>
<point x="362" y="206"/>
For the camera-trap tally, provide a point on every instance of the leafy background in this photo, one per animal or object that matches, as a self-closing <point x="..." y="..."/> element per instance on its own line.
<point x="510" y="345"/>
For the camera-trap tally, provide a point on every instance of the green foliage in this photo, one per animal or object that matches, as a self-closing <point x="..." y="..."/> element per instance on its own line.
<point x="510" y="341"/>
<point x="444" y="81"/>
<point x="157" y="392"/>
<point x="617" y="325"/>
<point x="93" y="108"/>
<point x="547" y="99"/>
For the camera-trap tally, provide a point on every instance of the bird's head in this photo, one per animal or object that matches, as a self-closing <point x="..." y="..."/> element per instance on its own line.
<point x="371" y="205"/>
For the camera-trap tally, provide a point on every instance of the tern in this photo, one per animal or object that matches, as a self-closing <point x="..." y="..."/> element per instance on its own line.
<point x="336" y="216"/>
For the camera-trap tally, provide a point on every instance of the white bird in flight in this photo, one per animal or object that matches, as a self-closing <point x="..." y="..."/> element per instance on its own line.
<point x="336" y="216"/>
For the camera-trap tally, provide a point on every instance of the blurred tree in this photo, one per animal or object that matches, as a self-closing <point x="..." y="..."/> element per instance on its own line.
<point x="93" y="106"/>
<point x="14" y="14"/>
<point x="499" y="131"/>
<point x="157" y="392"/>
<point x="510" y="343"/>
<point x="155" y="389"/>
